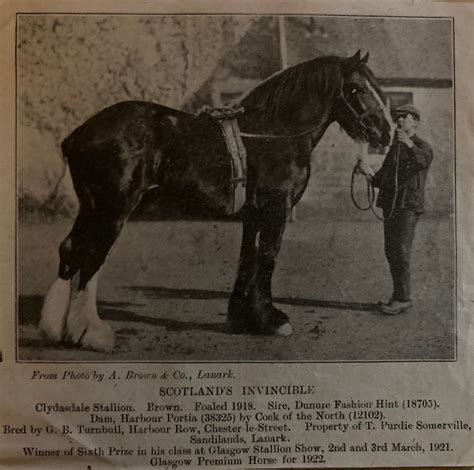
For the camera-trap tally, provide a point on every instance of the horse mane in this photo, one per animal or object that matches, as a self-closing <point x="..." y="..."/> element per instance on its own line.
<point x="315" y="83"/>
<point x="316" y="80"/>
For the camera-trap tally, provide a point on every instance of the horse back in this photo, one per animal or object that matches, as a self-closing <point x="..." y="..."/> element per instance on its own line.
<point x="113" y="156"/>
<point x="127" y="122"/>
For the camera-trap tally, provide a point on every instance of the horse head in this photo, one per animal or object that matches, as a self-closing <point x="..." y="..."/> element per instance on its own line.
<point x="361" y="107"/>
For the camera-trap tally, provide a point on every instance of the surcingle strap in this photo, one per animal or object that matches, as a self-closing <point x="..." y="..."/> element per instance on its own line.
<point x="238" y="154"/>
<point x="230" y="128"/>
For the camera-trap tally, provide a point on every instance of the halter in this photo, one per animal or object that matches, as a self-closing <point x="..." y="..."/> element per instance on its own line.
<point x="358" y="118"/>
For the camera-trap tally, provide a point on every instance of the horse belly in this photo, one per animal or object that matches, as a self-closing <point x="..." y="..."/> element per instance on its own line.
<point x="198" y="179"/>
<point x="203" y="190"/>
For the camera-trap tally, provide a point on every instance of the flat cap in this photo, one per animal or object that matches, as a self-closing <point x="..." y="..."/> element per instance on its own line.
<point x="408" y="108"/>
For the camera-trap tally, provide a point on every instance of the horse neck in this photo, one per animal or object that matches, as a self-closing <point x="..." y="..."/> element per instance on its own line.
<point x="317" y="135"/>
<point x="312" y="124"/>
<point x="311" y="113"/>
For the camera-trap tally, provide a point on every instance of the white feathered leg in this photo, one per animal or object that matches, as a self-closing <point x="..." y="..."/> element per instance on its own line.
<point x="55" y="309"/>
<point x="83" y="324"/>
<point x="76" y="324"/>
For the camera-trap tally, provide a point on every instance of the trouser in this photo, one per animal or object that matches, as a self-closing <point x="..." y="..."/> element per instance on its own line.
<point x="399" y="231"/>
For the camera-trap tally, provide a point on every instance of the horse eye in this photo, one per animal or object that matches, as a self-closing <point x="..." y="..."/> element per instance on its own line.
<point x="353" y="90"/>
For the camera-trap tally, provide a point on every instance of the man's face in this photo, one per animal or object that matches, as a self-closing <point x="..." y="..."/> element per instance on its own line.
<point x="407" y="123"/>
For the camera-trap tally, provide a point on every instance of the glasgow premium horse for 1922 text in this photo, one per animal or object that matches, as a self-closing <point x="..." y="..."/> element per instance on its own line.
<point x="122" y="152"/>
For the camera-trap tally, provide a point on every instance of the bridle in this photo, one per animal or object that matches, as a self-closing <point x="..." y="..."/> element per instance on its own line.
<point x="358" y="118"/>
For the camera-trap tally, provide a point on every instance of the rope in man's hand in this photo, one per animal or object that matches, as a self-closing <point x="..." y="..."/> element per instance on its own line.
<point x="363" y="168"/>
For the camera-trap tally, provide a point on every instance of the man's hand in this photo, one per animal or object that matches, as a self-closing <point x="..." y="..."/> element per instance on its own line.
<point x="402" y="136"/>
<point x="363" y="168"/>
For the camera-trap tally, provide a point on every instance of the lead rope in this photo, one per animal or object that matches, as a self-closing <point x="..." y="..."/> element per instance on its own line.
<point x="371" y="190"/>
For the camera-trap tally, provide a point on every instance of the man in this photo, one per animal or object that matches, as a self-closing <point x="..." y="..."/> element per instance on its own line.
<point x="401" y="182"/>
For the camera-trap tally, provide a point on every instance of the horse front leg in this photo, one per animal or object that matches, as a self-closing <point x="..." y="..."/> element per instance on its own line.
<point x="274" y="209"/>
<point x="239" y="309"/>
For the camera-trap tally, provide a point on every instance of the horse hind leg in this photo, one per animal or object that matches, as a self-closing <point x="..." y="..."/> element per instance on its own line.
<point x="83" y="325"/>
<point x="57" y="301"/>
<point x="69" y="310"/>
<point x="55" y="308"/>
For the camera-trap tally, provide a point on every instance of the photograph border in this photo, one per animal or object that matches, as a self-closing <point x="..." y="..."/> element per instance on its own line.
<point x="256" y="14"/>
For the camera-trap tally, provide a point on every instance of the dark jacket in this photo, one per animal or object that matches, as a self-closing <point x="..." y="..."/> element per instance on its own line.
<point x="413" y="165"/>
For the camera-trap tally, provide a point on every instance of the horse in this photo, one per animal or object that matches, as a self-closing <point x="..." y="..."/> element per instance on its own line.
<point x="132" y="148"/>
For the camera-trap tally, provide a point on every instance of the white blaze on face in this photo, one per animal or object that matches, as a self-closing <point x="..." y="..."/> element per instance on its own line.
<point x="385" y="108"/>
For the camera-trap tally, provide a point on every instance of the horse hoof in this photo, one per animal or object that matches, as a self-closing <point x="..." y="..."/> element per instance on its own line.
<point x="51" y="332"/>
<point x="277" y="323"/>
<point x="76" y="329"/>
<point x="284" y="330"/>
<point x="98" y="337"/>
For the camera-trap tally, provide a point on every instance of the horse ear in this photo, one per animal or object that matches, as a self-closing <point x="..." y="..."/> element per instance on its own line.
<point x="365" y="59"/>
<point x="350" y="63"/>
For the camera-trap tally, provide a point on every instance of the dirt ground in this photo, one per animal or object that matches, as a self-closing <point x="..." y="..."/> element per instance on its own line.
<point x="165" y="288"/>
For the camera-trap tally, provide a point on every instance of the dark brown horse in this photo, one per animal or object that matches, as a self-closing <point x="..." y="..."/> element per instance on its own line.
<point x="122" y="152"/>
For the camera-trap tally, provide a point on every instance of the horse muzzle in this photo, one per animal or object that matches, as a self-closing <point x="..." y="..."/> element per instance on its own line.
<point x="375" y="128"/>
<point x="374" y="137"/>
